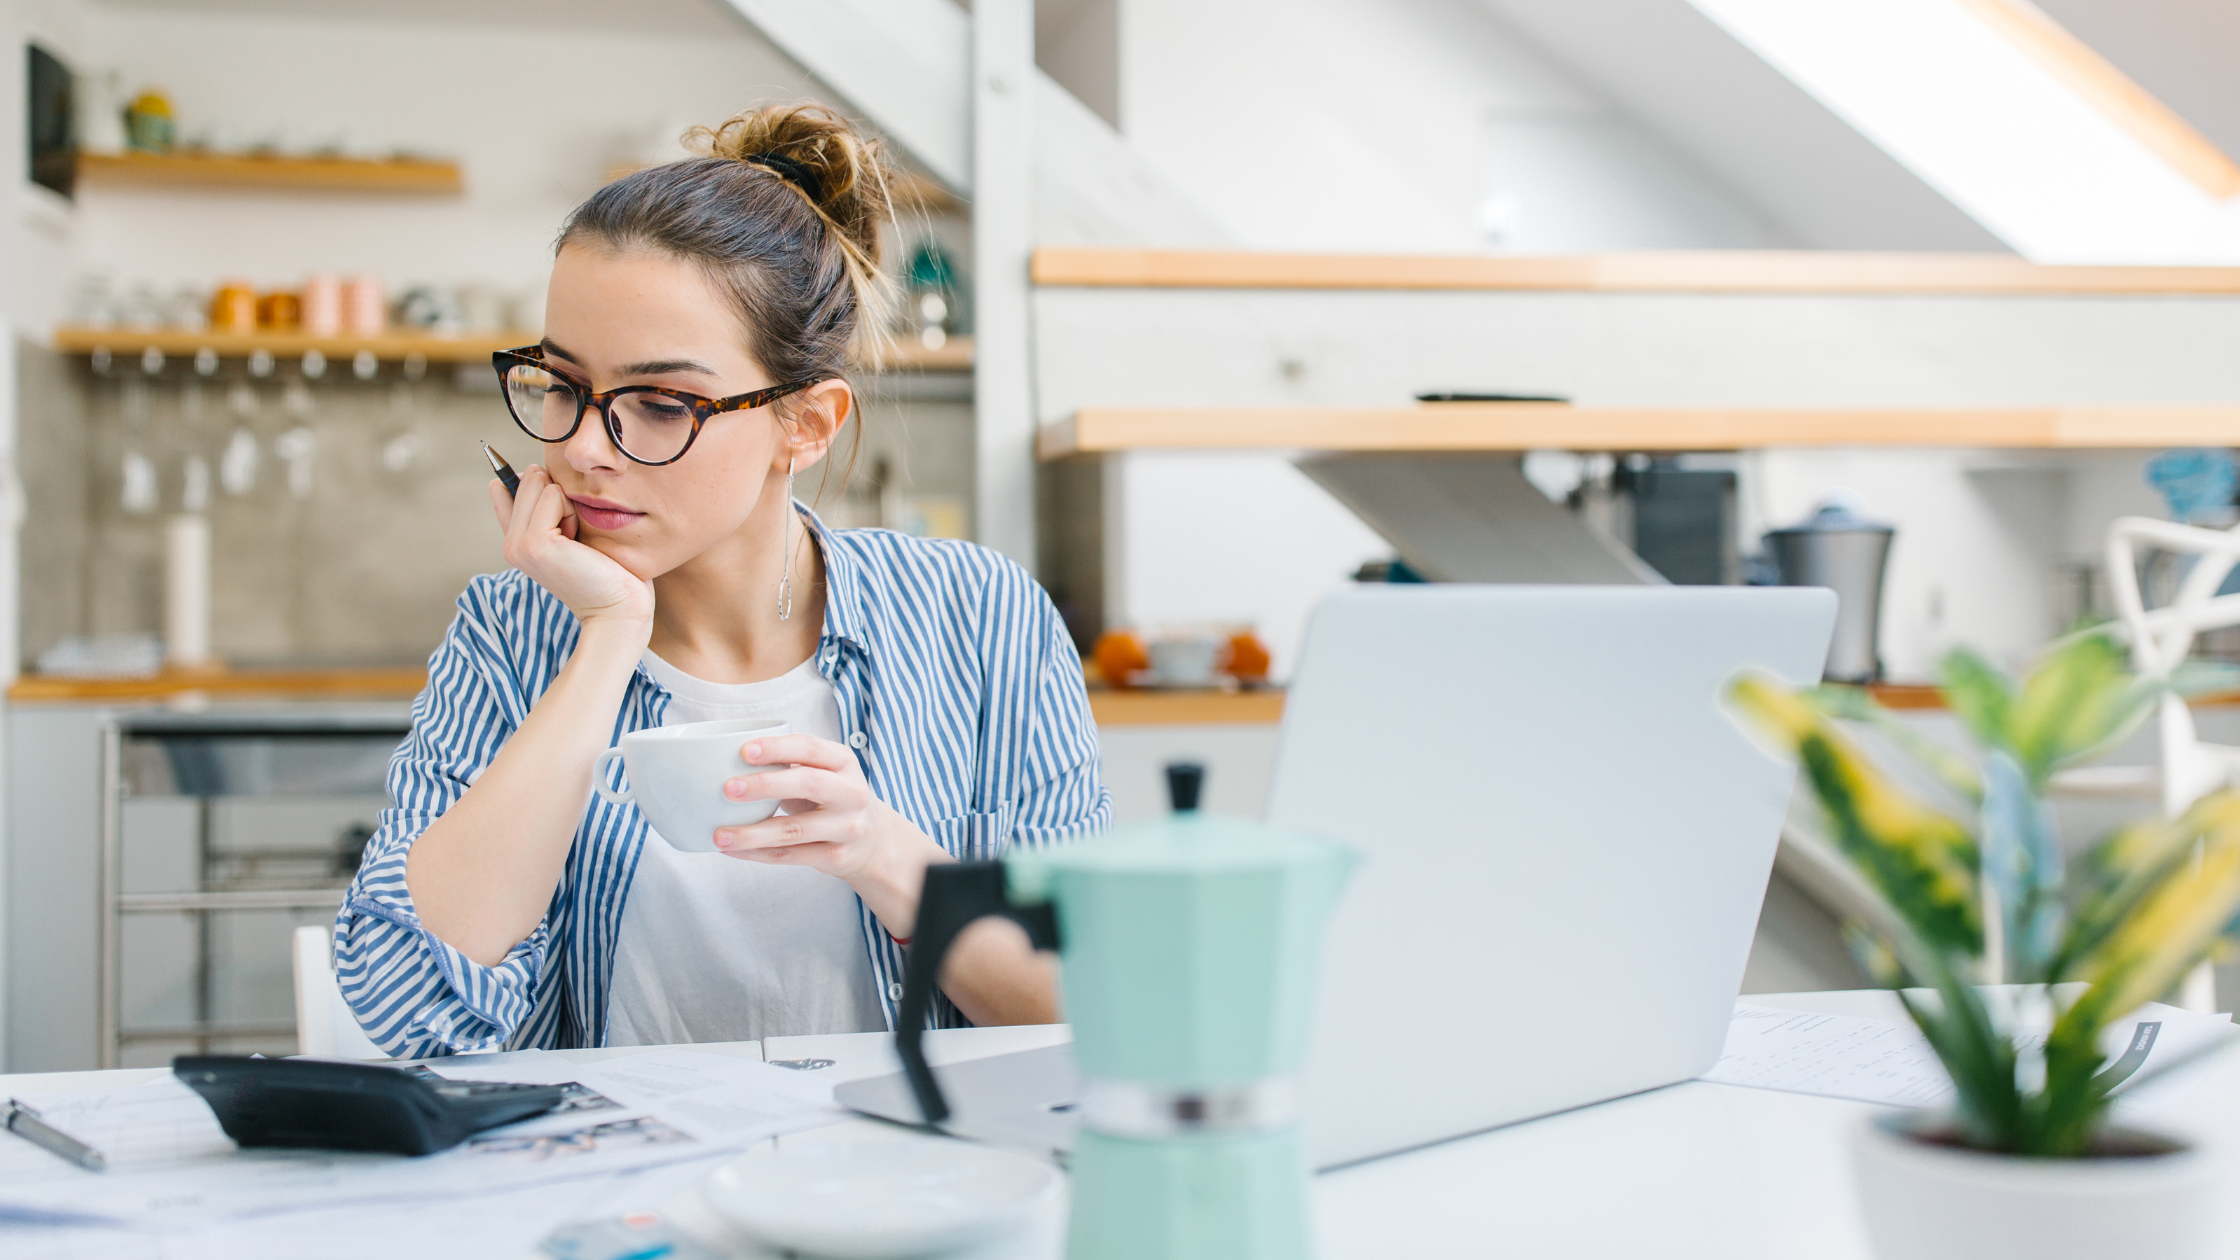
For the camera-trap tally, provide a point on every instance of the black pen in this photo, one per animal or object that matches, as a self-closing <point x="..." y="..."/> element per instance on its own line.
<point x="504" y="470"/>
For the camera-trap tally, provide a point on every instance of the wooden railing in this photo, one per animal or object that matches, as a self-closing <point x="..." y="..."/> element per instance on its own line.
<point x="1557" y="426"/>
<point x="1699" y="271"/>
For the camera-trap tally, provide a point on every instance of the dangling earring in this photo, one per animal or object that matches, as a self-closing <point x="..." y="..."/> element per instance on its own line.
<point x="785" y="583"/>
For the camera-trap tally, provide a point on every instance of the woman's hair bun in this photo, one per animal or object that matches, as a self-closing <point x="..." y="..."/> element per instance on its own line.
<point x="848" y="178"/>
<point x="783" y="206"/>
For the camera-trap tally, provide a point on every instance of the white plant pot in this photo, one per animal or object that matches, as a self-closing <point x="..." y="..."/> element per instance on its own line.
<point x="1924" y="1201"/>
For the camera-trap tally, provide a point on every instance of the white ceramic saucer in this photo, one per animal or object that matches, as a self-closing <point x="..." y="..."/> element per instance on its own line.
<point x="877" y="1196"/>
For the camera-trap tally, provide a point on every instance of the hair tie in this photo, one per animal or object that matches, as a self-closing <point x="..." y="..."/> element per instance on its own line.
<point x="792" y="172"/>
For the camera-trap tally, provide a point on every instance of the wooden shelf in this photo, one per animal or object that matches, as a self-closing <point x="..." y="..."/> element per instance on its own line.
<point x="1696" y="271"/>
<point x="1185" y="708"/>
<point x="907" y="354"/>
<point x="1559" y="426"/>
<point x="121" y="342"/>
<point x="291" y="684"/>
<point x="245" y="170"/>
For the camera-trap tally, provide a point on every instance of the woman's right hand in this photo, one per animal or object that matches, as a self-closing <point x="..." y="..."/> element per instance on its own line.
<point x="540" y="526"/>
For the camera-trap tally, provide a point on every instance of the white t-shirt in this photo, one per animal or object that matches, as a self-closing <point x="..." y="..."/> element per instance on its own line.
<point x="715" y="948"/>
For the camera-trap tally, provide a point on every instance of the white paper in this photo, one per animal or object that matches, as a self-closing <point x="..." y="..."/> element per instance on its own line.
<point x="1889" y="1062"/>
<point x="171" y="1167"/>
<point x="712" y="1097"/>
<point x="502" y="1224"/>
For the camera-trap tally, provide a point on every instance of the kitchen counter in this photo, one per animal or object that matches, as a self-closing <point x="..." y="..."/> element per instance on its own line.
<point x="285" y="684"/>
<point x="1111" y="708"/>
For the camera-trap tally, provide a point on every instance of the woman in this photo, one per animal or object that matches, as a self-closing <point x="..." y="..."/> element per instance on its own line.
<point x="663" y="573"/>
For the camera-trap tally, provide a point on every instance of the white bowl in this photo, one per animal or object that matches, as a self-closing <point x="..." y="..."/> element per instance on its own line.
<point x="877" y="1196"/>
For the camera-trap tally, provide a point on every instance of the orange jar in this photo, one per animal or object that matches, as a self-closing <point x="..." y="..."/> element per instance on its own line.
<point x="233" y="308"/>
<point x="279" y="311"/>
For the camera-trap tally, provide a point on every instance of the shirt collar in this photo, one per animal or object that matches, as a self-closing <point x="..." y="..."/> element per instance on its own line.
<point x="844" y="618"/>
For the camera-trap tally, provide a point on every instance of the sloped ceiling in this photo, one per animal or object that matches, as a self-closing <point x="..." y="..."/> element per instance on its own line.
<point x="2182" y="51"/>
<point x="1822" y="183"/>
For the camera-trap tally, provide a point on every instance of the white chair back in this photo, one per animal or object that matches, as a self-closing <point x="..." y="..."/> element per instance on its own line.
<point x="325" y="1028"/>
<point x="2160" y="639"/>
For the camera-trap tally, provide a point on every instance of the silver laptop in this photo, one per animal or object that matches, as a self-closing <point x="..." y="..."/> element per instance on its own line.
<point x="1566" y="843"/>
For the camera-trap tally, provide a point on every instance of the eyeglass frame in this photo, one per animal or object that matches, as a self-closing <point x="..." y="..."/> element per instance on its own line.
<point x="703" y="409"/>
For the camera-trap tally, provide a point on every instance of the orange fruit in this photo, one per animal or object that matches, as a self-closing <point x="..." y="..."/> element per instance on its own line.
<point x="1248" y="657"/>
<point x="1119" y="655"/>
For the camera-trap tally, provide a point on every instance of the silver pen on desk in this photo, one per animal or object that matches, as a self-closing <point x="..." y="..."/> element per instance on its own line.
<point x="23" y="1121"/>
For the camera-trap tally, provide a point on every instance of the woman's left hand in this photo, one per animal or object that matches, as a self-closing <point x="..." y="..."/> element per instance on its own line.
<point x="833" y="824"/>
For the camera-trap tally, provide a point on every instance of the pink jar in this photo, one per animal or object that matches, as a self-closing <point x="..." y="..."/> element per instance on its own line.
<point x="322" y="305"/>
<point x="365" y="305"/>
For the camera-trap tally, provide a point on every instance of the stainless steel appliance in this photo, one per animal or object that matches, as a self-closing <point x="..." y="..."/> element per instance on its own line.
<point x="1839" y="549"/>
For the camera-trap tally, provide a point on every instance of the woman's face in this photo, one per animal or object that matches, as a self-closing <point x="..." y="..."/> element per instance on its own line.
<point x="640" y="319"/>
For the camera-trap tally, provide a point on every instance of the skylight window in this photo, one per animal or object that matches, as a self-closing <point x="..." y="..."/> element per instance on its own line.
<point x="2012" y="119"/>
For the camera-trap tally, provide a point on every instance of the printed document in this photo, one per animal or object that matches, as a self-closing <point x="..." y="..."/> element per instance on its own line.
<point x="171" y="1166"/>
<point x="1889" y="1061"/>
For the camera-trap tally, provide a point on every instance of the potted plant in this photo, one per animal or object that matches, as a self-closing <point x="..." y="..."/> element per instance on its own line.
<point x="1974" y="892"/>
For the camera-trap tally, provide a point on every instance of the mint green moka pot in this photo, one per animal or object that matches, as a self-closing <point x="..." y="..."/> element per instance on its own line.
<point x="1189" y="950"/>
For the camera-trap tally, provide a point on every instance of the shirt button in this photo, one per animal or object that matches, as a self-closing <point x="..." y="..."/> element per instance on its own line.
<point x="832" y="654"/>
<point x="894" y="990"/>
<point x="857" y="741"/>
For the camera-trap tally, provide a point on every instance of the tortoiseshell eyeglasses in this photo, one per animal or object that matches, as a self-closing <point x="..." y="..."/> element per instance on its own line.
<point x="650" y="424"/>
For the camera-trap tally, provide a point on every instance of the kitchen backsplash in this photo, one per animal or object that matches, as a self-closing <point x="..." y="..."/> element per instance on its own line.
<point x="363" y="513"/>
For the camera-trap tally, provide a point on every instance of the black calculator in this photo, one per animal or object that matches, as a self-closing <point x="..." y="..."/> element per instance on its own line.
<point x="353" y="1106"/>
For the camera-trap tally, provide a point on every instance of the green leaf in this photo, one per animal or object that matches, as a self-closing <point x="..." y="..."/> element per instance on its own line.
<point x="2080" y="697"/>
<point x="1857" y="704"/>
<point x="1979" y="695"/>
<point x="1921" y="861"/>
<point x="2115" y="877"/>
<point x="2163" y="934"/>
<point x="1979" y="1058"/>
<point x="2022" y="862"/>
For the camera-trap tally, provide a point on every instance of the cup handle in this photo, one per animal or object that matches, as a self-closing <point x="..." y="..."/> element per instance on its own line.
<point x="599" y="780"/>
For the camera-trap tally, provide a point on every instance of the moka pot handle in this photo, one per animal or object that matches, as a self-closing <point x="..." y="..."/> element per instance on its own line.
<point x="956" y="895"/>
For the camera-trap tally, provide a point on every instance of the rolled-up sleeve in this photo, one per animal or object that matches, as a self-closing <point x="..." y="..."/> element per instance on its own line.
<point x="414" y="995"/>
<point x="1056" y="785"/>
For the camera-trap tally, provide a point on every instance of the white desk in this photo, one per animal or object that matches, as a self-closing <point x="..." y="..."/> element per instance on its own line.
<point x="1690" y="1171"/>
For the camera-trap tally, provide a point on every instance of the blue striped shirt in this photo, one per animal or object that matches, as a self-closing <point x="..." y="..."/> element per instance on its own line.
<point x="958" y="686"/>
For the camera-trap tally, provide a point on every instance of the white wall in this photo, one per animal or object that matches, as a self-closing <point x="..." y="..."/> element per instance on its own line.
<point x="1381" y="125"/>
<point x="1229" y="537"/>
<point x="535" y="115"/>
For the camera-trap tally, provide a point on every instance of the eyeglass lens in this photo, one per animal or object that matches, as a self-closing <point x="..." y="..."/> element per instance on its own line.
<point x="649" y="426"/>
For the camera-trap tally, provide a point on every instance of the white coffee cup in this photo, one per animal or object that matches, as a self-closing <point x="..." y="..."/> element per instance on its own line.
<point x="676" y="774"/>
<point x="1185" y="660"/>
